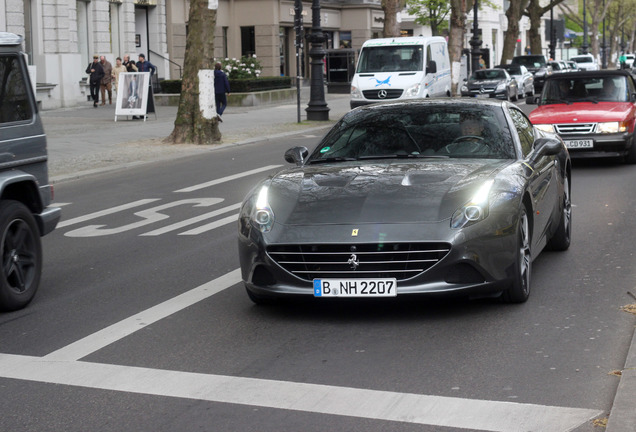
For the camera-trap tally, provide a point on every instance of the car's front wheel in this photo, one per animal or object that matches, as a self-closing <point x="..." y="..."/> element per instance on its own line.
<point x="21" y="253"/>
<point x="519" y="290"/>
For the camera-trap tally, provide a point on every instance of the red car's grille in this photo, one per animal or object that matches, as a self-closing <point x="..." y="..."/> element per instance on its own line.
<point x="375" y="260"/>
<point x="575" y="128"/>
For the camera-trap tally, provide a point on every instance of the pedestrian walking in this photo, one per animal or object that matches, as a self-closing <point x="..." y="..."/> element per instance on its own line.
<point x="221" y="90"/>
<point x="130" y="65"/>
<point x="118" y="69"/>
<point x="145" y="66"/>
<point x="96" y="72"/>
<point x="107" y="80"/>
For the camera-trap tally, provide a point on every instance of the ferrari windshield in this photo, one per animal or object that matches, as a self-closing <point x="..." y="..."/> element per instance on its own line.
<point x="588" y="89"/>
<point x="418" y="131"/>
<point x="391" y="59"/>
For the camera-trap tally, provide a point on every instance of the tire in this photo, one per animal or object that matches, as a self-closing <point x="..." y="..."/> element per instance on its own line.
<point x="560" y="241"/>
<point x="21" y="252"/>
<point x="519" y="290"/>
<point x="516" y="95"/>
<point x="630" y="158"/>
<point x="531" y="92"/>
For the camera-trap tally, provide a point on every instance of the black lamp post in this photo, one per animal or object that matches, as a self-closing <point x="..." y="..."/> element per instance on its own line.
<point x="475" y="41"/>
<point x="584" y="46"/>
<point x="552" y="44"/>
<point x="604" y="57"/>
<point x="317" y="107"/>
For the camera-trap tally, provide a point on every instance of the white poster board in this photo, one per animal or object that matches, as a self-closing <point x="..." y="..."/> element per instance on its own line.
<point x="132" y="94"/>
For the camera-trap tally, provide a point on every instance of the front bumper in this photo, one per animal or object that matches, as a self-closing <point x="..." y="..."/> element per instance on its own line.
<point x="486" y="93"/>
<point x="480" y="262"/>
<point x="604" y="145"/>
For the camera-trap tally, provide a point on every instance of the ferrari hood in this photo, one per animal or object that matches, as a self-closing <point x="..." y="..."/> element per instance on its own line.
<point x="391" y="192"/>
<point x="582" y="112"/>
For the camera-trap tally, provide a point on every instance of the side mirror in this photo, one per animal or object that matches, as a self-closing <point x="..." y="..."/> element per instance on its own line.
<point x="532" y="100"/>
<point x="431" y="67"/>
<point x="545" y="147"/>
<point x="296" y="155"/>
<point x="632" y="98"/>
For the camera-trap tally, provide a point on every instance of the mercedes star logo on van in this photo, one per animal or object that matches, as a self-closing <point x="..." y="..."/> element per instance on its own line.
<point x="382" y="94"/>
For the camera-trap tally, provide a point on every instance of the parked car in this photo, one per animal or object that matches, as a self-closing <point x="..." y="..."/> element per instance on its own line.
<point x="572" y="66"/>
<point x="629" y="61"/>
<point x="490" y="83"/>
<point x="586" y="62"/>
<point x="537" y="64"/>
<point x="25" y="192"/>
<point x="431" y="196"/>
<point x="592" y="111"/>
<point x="559" y="66"/>
<point x="521" y="74"/>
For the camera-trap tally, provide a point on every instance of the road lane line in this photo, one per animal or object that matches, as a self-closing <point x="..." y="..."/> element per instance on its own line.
<point x="193" y="220"/>
<point x="440" y="411"/>
<point x="228" y="178"/>
<point x="211" y="225"/>
<point x="126" y="327"/>
<point x="106" y="212"/>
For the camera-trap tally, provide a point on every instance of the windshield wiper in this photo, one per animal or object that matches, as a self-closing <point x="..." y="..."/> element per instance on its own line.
<point x="332" y="159"/>
<point x="403" y="156"/>
<point x="589" y="99"/>
<point x="565" y="101"/>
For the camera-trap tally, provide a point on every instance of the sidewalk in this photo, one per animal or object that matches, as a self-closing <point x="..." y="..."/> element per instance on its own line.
<point x="84" y="139"/>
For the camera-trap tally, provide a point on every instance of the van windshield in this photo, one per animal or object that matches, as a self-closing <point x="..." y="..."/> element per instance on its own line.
<point x="391" y="59"/>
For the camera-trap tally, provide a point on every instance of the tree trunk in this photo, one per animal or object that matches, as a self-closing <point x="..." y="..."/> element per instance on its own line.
<point x="535" y="12"/>
<point x="391" y="9"/>
<point x="196" y="121"/>
<point x="513" y="14"/>
<point x="456" y="40"/>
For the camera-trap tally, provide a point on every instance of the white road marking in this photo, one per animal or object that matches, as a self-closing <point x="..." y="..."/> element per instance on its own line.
<point x="63" y="367"/>
<point x="212" y="225"/>
<point x="106" y="212"/>
<point x="228" y="178"/>
<point x="315" y="398"/>
<point x="120" y="330"/>
<point x="149" y="216"/>
<point x="193" y="220"/>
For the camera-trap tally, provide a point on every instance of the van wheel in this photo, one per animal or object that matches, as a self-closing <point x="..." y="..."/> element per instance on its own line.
<point x="21" y="252"/>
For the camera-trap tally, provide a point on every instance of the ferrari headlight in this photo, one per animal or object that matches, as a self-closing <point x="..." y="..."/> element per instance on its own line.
<point x="612" y="127"/>
<point x="545" y="127"/>
<point x="413" y="91"/>
<point x="475" y="210"/>
<point x="262" y="214"/>
<point x="355" y="93"/>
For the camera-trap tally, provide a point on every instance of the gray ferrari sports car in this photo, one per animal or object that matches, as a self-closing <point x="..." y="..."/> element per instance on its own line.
<point x="422" y="197"/>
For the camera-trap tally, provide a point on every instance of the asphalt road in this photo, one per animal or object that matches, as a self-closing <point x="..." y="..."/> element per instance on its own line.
<point x="141" y="322"/>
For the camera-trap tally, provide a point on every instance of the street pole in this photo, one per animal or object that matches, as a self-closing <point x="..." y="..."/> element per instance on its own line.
<point x="552" y="35"/>
<point x="475" y="42"/>
<point x="604" y="58"/>
<point x="584" y="46"/>
<point x="317" y="108"/>
<point x="298" y="26"/>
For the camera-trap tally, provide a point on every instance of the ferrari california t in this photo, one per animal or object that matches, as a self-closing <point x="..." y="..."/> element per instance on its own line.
<point x="422" y="197"/>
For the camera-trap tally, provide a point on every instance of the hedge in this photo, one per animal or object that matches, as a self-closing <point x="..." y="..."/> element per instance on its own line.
<point x="238" y="85"/>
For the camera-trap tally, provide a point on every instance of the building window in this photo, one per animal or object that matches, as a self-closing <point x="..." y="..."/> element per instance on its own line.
<point x="28" y="31"/>
<point x="83" y="20"/>
<point x="225" y="50"/>
<point x="248" y="41"/>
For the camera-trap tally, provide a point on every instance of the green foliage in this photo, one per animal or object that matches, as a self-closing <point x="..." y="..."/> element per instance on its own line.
<point x="431" y="13"/>
<point x="245" y="67"/>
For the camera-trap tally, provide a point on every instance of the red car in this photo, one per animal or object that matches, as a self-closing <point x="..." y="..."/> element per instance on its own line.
<point x="592" y="111"/>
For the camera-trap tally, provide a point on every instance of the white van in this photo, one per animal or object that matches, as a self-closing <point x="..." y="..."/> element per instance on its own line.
<point x="401" y="68"/>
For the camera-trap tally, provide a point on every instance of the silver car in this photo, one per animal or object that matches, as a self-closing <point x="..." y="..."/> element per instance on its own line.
<point x="524" y="78"/>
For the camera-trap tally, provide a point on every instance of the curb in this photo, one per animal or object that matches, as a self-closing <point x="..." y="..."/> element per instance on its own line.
<point x="622" y="416"/>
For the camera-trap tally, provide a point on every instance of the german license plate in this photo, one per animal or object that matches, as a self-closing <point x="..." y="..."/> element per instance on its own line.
<point x="355" y="287"/>
<point x="574" y="144"/>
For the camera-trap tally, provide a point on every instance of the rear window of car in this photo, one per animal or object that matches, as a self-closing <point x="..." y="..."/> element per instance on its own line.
<point x="582" y="59"/>
<point x="15" y="103"/>
<point x="530" y="61"/>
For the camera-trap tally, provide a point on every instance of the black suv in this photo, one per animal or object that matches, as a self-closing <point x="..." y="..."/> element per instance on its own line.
<point x="25" y="193"/>
<point x="538" y="65"/>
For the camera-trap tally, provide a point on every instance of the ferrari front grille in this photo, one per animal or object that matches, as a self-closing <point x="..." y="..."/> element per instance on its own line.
<point x="368" y="260"/>
<point x="575" y="128"/>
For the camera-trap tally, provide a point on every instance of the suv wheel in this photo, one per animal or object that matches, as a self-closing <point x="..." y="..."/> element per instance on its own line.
<point x="21" y="253"/>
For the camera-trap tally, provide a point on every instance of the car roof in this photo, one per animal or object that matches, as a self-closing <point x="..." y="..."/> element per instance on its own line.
<point x="589" y="74"/>
<point x="452" y="101"/>
<point x="10" y="39"/>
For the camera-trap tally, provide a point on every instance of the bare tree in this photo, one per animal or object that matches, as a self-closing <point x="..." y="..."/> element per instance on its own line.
<point x="391" y="9"/>
<point x="196" y="121"/>
<point x="513" y="14"/>
<point x="535" y="11"/>
<point x="594" y="12"/>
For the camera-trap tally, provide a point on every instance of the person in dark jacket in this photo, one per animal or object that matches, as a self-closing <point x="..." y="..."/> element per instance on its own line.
<point x="221" y="90"/>
<point x="96" y="72"/>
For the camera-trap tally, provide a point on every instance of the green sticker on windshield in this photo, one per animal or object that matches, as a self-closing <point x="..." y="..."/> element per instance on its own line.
<point x="325" y="150"/>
